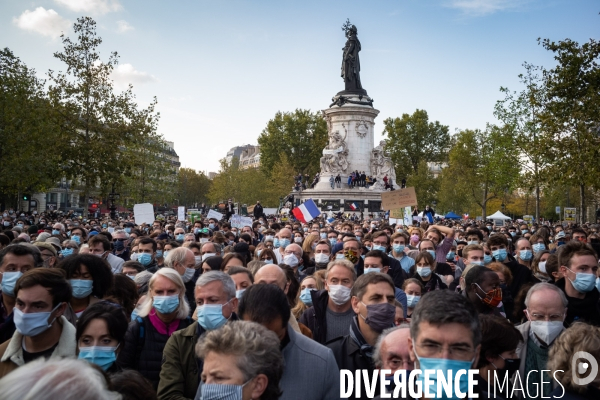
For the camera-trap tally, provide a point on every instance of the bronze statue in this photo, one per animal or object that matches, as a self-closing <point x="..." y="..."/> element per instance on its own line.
<point x="351" y="60"/>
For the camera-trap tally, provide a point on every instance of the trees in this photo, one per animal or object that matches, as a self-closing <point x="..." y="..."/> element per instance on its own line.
<point x="28" y="135"/>
<point x="479" y="163"/>
<point x="413" y="139"/>
<point x="193" y="187"/>
<point x="104" y="132"/>
<point x="571" y="119"/>
<point x="300" y="135"/>
<point x="425" y="184"/>
<point x="520" y="114"/>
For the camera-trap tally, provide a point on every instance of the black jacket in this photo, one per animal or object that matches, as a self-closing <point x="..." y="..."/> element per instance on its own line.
<point x="153" y="266"/>
<point x="520" y="275"/>
<point x="348" y="355"/>
<point x="435" y="283"/>
<point x="315" y="317"/>
<point x="591" y="393"/>
<point x="582" y="310"/>
<point x="396" y="272"/>
<point x="258" y="211"/>
<point x="143" y="349"/>
<point x="190" y="288"/>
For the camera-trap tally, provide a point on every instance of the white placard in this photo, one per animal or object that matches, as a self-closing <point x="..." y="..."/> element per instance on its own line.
<point x="213" y="214"/>
<point x="181" y="213"/>
<point x="143" y="213"/>
<point x="407" y="216"/>
<point x="237" y="221"/>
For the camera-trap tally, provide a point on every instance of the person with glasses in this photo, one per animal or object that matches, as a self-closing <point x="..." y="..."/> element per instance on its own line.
<point x="69" y="248"/>
<point x="120" y="241"/>
<point x="49" y="254"/>
<point x="445" y="336"/>
<point x="545" y="309"/>
<point x="578" y="266"/>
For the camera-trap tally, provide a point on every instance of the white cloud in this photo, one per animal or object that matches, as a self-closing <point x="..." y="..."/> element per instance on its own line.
<point x="485" y="7"/>
<point x="42" y="21"/>
<point x="125" y="74"/>
<point x="123" y="26"/>
<point x="91" y="6"/>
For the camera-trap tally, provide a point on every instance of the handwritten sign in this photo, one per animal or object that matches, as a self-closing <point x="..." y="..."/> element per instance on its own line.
<point x="213" y="214"/>
<point x="397" y="199"/>
<point x="250" y="209"/>
<point x="237" y="221"/>
<point x="143" y="213"/>
<point x="181" y="213"/>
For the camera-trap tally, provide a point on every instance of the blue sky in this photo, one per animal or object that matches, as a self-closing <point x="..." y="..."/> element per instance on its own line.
<point x="222" y="69"/>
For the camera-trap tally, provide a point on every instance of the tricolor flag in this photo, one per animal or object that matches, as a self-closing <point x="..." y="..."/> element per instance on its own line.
<point x="306" y="211"/>
<point x="353" y="206"/>
<point x="465" y="216"/>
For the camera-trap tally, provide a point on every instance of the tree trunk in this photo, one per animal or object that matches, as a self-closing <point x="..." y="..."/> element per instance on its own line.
<point x="582" y="213"/>
<point x="484" y="203"/>
<point x="537" y="203"/>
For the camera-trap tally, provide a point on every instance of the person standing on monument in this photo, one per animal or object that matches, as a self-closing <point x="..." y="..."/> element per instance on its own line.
<point x="332" y="181"/>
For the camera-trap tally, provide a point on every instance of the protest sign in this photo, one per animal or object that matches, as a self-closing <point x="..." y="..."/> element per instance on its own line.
<point x="399" y="198"/>
<point x="570" y="214"/>
<point x="250" y="209"/>
<point x="143" y="213"/>
<point x="181" y="213"/>
<point x="213" y="214"/>
<point x="237" y="221"/>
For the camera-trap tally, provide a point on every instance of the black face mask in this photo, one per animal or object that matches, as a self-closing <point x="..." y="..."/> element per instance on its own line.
<point x="459" y="252"/>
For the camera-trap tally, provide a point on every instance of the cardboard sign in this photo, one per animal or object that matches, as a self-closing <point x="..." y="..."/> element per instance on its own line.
<point x="213" y="214"/>
<point x="528" y="218"/>
<point x="397" y="214"/>
<point x="181" y="213"/>
<point x="237" y="221"/>
<point x="399" y="198"/>
<point x="143" y="213"/>
<point x="251" y="209"/>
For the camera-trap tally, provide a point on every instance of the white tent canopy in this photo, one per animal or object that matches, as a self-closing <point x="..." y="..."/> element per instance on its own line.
<point x="498" y="215"/>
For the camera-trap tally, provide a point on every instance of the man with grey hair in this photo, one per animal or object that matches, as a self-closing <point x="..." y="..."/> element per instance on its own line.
<point x="293" y="258"/>
<point x="392" y="353"/>
<point x="216" y="303"/>
<point x="546" y="309"/>
<point x="210" y="249"/>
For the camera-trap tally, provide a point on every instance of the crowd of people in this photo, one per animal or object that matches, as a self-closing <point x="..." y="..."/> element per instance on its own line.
<point x="107" y="309"/>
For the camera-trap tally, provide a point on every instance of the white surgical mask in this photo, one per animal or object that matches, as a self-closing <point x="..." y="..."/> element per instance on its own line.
<point x="339" y="294"/>
<point x="207" y="255"/>
<point x="542" y="267"/>
<point x="291" y="260"/>
<point x="547" y="330"/>
<point x="321" y="258"/>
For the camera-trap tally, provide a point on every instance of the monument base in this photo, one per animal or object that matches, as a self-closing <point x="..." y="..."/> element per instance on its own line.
<point x="344" y="199"/>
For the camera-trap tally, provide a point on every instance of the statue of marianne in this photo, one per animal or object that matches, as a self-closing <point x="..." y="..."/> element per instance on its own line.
<point x="351" y="60"/>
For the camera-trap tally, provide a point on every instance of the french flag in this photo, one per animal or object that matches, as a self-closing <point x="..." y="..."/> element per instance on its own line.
<point x="306" y="211"/>
<point x="465" y="216"/>
<point x="353" y="206"/>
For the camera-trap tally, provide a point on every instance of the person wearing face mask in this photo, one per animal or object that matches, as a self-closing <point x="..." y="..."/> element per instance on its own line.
<point x="523" y="252"/>
<point x="331" y="313"/>
<point x="578" y="267"/>
<point x="498" y="358"/>
<point x="42" y="331"/>
<point x="293" y="257"/>
<point x="425" y="272"/>
<point x="282" y="240"/>
<point x="90" y="280"/>
<point x="538" y="267"/>
<point x="378" y="261"/>
<point x="322" y="256"/>
<point x="373" y="302"/>
<point x="216" y="302"/>
<point x="100" y="332"/>
<point x="100" y="247"/>
<point x="179" y="235"/>
<point x="164" y="311"/>
<point x="146" y="253"/>
<point x="254" y="373"/>
<point x="498" y="245"/>
<point x="482" y="288"/>
<point x="414" y="289"/>
<point x="120" y="244"/>
<point x="304" y="297"/>
<point x="546" y="308"/>
<point x="183" y="261"/>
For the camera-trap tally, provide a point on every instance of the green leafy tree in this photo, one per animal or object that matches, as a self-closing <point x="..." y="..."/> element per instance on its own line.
<point x="425" y="184"/>
<point x="479" y="164"/>
<point x="412" y="139"/>
<point x="520" y="112"/>
<point x="570" y="120"/>
<point x="101" y="127"/>
<point x="300" y="135"/>
<point x="29" y="136"/>
<point x="193" y="187"/>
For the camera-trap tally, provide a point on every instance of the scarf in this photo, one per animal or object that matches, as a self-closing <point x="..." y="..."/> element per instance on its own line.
<point x="358" y="338"/>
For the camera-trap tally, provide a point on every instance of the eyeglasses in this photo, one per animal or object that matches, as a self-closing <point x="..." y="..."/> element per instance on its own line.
<point x="435" y="349"/>
<point x="542" y="317"/>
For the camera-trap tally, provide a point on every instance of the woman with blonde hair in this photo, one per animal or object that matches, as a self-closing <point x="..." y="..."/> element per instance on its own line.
<point x="308" y="247"/>
<point x="564" y="363"/>
<point x="164" y="311"/>
<point x="304" y="298"/>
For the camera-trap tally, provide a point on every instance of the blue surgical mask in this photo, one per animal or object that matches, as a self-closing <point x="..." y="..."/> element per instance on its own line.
<point x="333" y="241"/>
<point x="32" y="324"/>
<point x="128" y="230"/>
<point x="284" y="243"/>
<point x="378" y="247"/>
<point x="66" y="252"/>
<point x="472" y="242"/>
<point x="55" y="232"/>
<point x="268" y="261"/>
<point x="210" y="316"/>
<point x="104" y="357"/>
<point x="432" y="253"/>
<point x="179" y="237"/>
<point x="239" y="293"/>
<point x="598" y="284"/>
<point x="145" y="259"/>
<point x="398" y="248"/>
<point x="82" y="288"/>
<point x="446" y="366"/>
<point x="367" y="270"/>
<point x="513" y="234"/>
<point x="487" y="259"/>
<point x="340" y="256"/>
<point x="323" y="235"/>
<point x="583" y="282"/>
<point x="525" y="255"/>
<point x="424" y="271"/>
<point x="166" y="304"/>
<point x="211" y="226"/>
<point x="412" y="300"/>
<point x="539" y="247"/>
<point x="76" y="238"/>
<point x="9" y="279"/>
<point x="305" y="296"/>
<point x="524" y="231"/>
<point x="104" y="226"/>
<point x="450" y="256"/>
<point x="500" y="254"/>
<point x="159" y="253"/>
<point x="276" y="243"/>
<point x="134" y="314"/>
